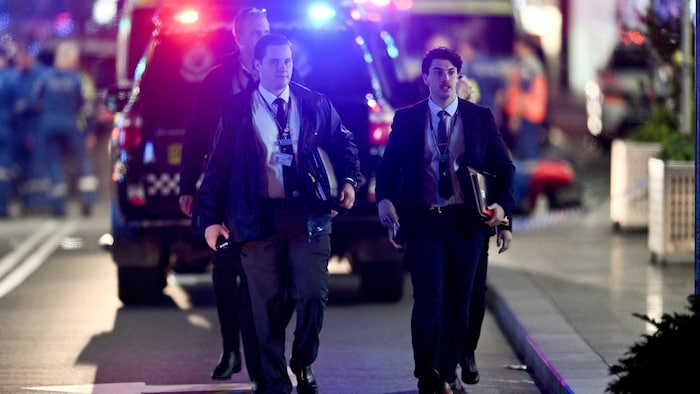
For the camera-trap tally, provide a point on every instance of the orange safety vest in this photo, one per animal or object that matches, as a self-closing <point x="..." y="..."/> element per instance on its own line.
<point x="530" y="104"/>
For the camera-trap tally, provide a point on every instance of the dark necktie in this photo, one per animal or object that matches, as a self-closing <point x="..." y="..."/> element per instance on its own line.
<point x="286" y="147"/>
<point x="445" y="179"/>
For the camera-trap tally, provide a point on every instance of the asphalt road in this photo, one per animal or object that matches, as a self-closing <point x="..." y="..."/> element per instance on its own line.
<point x="63" y="329"/>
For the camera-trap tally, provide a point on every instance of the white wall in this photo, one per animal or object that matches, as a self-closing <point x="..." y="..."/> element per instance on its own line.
<point x="593" y="33"/>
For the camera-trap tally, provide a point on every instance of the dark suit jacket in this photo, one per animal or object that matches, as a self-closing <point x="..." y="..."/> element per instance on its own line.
<point x="234" y="175"/>
<point x="400" y="173"/>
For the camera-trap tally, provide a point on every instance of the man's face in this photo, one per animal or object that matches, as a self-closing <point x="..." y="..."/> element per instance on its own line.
<point x="251" y="31"/>
<point x="441" y="80"/>
<point x="275" y="68"/>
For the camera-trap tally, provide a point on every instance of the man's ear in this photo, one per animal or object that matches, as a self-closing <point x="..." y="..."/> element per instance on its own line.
<point x="257" y="65"/>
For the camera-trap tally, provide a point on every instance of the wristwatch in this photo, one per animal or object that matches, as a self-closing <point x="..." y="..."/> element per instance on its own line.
<point x="351" y="182"/>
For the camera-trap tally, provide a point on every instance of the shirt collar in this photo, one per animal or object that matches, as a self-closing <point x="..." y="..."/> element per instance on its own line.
<point x="450" y="109"/>
<point x="270" y="97"/>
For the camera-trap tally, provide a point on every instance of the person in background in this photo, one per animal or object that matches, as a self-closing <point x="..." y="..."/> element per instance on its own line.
<point x="233" y="75"/>
<point x="61" y="101"/>
<point x="420" y="183"/>
<point x="8" y="91"/>
<point x="526" y="98"/>
<point x="253" y="193"/>
<point x="477" y="305"/>
<point x="486" y="73"/>
<point x="34" y="182"/>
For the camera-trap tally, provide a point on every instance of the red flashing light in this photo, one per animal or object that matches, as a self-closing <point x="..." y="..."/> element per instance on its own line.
<point x="379" y="133"/>
<point x="129" y="131"/>
<point x="187" y="17"/>
<point x="635" y="37"/>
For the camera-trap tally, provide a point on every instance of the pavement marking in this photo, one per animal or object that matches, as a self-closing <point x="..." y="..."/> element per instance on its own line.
<point x="141" y="387"/>
<point x="9" y="261"/>
<point x="34" y="260"/>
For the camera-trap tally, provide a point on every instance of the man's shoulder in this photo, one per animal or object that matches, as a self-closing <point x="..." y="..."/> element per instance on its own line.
<point x="419" y="107"/>
<point x="225" y="69"/>
<point x="302" y="91"/>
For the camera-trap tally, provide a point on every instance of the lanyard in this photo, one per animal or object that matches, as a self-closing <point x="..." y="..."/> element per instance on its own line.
<point x="285" y="134"/>
<point x="445" y="153"/>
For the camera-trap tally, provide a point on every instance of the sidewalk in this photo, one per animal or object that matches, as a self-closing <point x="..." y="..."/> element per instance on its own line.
<point x="565" y="292"/>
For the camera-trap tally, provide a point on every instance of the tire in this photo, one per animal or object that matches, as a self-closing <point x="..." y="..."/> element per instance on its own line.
<point x="141" y="286"/>
<point x="142" y="263"/>
<point x="382" y="281"/>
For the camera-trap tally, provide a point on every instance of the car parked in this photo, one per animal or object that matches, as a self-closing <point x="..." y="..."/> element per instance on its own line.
<point x="624" y="92"/>
<point x="347" y="57"/>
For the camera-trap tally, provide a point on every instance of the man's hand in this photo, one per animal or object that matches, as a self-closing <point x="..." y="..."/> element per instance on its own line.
<point x="390" y="219"/>
<point x="347" y="196"/>
<point x="498" y="217"/>
<point x="212" y="233"/>
<point x="186" y="204"/>
<point x="503" y="240"/>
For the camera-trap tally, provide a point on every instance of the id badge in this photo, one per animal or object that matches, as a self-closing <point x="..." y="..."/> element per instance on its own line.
<point x="284" y="159"/>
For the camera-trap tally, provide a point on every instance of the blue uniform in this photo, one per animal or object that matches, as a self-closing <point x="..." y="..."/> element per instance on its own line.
<point x="30" y="153"/>
<point x="62" y="103"/>
<point x="7" y="98"/>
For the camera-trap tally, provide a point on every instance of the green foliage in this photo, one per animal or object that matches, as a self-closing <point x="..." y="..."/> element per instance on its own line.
<point x="662" y="124"/>
<point x="667" y="361"/>
<point x="663" y="127"/>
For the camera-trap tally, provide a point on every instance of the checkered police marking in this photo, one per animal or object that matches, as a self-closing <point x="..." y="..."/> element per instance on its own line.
<point x="164" y="184"/>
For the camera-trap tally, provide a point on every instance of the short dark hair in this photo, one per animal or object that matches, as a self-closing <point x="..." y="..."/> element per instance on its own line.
<point x="267" y="41"/>
<point x="441" y="53"/>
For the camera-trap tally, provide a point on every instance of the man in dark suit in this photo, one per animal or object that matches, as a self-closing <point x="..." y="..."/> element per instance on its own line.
<point x="233" y="75"/>
<point x="255" y="193"/>
<point x="424" y="197"/>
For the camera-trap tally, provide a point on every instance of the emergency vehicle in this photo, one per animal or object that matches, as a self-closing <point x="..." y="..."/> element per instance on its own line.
<point x="164" y="49"/>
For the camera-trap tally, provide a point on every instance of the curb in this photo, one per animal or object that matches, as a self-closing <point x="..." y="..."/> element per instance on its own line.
<point x="558" y="358"/>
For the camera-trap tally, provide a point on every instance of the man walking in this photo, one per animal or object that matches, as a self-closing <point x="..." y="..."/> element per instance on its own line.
<point x="228" y="78"/>
<point x="423" y="188"/>
<point x="255" y="193"/>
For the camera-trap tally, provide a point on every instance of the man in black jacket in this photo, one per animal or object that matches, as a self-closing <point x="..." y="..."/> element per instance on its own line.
<point x="227" y="78"/>
<point x="423" y="181"/>
<point x="255" y="193"/>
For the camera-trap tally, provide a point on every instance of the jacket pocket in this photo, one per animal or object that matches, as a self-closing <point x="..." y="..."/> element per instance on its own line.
<point x="318" y="224"/>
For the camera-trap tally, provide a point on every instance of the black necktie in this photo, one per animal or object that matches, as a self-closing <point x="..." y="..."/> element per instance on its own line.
<point x="445" y="179"/>
<point x="286" y="147"/>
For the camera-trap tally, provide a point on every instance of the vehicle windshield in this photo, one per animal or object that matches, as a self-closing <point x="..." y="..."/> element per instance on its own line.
<point x="174" y="70"/>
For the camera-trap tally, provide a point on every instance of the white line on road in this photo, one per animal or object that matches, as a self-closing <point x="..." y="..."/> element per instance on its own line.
<point x="140" y="387"/>
<point x="37" y="258"/>
<point x="13" y="258"/>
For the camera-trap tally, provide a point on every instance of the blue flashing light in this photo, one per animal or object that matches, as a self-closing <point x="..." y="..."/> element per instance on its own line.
<point x="321" y="12"/>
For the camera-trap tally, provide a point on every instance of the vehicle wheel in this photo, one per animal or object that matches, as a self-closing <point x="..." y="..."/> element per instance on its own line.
<point x="382" y="281"/>
<point x="141" y="285"/>
<point x="142" y="261"/>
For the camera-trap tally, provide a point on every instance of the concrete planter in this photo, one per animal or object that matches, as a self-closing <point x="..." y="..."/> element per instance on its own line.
<point x="671" y="233"/>
<point x="629" y="181"/>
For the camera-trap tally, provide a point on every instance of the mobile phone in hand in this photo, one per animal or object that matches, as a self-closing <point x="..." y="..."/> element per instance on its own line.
<point x="222" y="243"/>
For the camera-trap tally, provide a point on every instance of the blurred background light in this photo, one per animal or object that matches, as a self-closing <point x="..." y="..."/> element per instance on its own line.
<point x="63" y="24"/>
<point x="321" y="12"/>
<point x="104" y="11"/>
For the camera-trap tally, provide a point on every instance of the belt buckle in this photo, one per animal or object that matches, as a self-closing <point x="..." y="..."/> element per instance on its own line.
<point x="436" y="208"/>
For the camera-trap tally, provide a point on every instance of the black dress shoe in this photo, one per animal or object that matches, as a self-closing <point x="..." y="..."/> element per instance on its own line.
<point x="429" y="382"/>
<point x="229" y="363"/>
<point x="470" y="374"/>
<point x="306" y="382"/>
